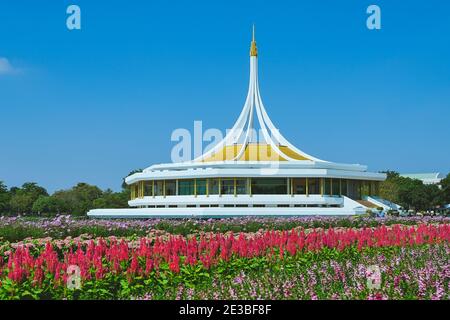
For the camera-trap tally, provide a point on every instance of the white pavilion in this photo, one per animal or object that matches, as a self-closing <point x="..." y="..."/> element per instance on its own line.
<point x="247" y="174"/>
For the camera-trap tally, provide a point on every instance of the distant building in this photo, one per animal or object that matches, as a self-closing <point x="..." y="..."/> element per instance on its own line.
<point x="426" y="178"/>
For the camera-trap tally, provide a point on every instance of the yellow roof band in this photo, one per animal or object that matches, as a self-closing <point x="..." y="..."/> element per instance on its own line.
<point x="253" y="152"/>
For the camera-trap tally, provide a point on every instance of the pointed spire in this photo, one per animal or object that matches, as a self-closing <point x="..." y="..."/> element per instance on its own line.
<point x="253" y="48"/>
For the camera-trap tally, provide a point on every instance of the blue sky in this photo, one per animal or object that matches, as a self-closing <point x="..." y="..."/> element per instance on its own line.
<point x="94" y="104"/>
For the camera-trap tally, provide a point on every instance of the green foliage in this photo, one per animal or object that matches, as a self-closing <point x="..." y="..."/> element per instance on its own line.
<point x="47" y="205"/>
<point x="445" y="185"/>
<point x="411" y="193"/>
<point x="79" y="199"/>
<point x="5" y="198"/>
<point x="22" y="199"/>
<point x="112" y="199"/>
<point x="32" y="199"/>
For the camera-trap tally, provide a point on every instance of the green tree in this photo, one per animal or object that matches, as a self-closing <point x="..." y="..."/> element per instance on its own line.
<point x="445" y="193"/>
<point x="411" y="193"/>
<point x="22" y="199"/>
<point x="5" y="198"/>
<point x="21" y="203"/>
<point x="47" y="205"/>
<point x="389" y="188"/>
<point x="112" y="199"/>
<point x="78" y="200"/>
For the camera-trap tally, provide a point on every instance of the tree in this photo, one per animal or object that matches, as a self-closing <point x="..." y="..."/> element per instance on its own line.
<point x="445" y="193"/>
<point x="22" y="199"/>
<point x="389" y="188"/>
<point x="112" y="199"/>
<point x="411" y="193"/>
<point x="21" y="203"/>
<point x="79" y="199"/>
<point x="47" y="205"/>
<point x="32" y="189"/>
<point x="5" y="198"/>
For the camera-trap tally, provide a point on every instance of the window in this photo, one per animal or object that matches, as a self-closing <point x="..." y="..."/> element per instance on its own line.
<point x="313" y="185"/>
<point x="134" y="191"/>
<point x="241" y="186"/>
<point x="171" y="187"/>
<point x="213" y="185"/>
<point x="353" y="189"/>
<point x="159" y="188"/>
<point x="201" y="186"/>
<point x="344" y="187"/>
<point x="299" y="186"/>
<point x="335" y="187"/>
<point x="269" y="186"/>
<point x="327" y="186"/>
<point x="186" y="187"/>
<point x="148" y="188"/>
<point x="227" y="186"/>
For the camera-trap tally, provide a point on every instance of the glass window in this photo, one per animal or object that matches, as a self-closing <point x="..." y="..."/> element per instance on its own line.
<point x="227" y="186"/>
<point x="132" y="191"/>
<point x="344" y="187"/>
<point x="148" y="188"/>
<point x="327" y="186"/>
<point x="299" y="186"/>
<point x="313" y="185"/>
<point x="171" y="187"/>
<point x="354" y="189"/>
<point x="213" y="185"/>
<point x="136" y="188"/>
<point x="269" y="186"/>
<point x="201" y="186"/>
<point x="335" y="187"/>
<point x="241" y="186"/>
<point x="186" y="187"/>
<point x="159" y="188"/>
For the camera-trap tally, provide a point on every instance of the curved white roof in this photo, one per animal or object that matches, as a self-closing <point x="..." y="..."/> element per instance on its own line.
<point x="242" y="153"/>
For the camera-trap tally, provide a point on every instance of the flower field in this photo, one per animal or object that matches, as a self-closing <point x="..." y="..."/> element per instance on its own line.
<point x="15" y="229"/>
<point x="368" y="259"/>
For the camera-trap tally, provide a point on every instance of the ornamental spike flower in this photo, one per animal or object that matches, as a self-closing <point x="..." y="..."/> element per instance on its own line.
<point x="174" y="264"/>
<point x="97" y="258"/>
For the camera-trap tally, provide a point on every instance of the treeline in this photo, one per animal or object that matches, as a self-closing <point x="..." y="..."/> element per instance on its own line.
<point x="413" y="193"/>
<point x="32" y="199"/>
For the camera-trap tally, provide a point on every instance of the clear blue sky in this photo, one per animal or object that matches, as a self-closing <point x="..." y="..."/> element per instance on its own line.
<point x="94" y="104"/>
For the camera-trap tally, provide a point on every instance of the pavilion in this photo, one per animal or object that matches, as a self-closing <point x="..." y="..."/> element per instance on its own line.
<point x="247" y="174"/>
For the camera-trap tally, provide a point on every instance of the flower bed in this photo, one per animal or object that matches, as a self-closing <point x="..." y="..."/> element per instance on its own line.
<point x="17" y="229"/>
<point x="297" y="264"/>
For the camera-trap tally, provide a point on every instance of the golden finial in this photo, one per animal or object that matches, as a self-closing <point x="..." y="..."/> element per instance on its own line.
<point x="253" y="49"/>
